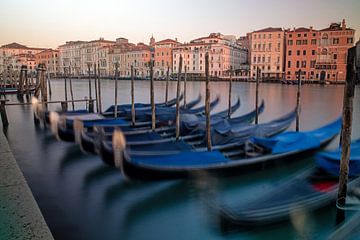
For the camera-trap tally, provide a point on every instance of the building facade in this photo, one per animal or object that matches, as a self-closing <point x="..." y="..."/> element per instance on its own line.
<point x="268" y="53"/>
<point x="51" y="60"/>
<point x="301" y="53"/>
<point x="163" y="56"/>
<point x="223" y="51"/>
<point x="70" y="56"/>
<point x="332" y="49"/>
<point x="14" y="55"/>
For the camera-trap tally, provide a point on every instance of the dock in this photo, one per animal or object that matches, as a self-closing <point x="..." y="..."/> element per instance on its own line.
<point x="20" y="216"/>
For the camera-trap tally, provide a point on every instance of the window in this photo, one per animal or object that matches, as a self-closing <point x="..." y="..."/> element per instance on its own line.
<point x="304" y="52"/>
<point x="278" y="68"/>
<point x="289" y="64"/>
<point x="313" y="52"/>
<point x="298" y="42"/>
<point x="290" y="35"/>
<point x="299" y="35"/>
<point x="350" y="40"/>
<point x="269" y="46"/>
<point x="335" y="56"/>
<point x="268" y="68"/>
<point x="305" y="42"/>
<point x="303" y="64"/>
<point x="289" y="53"/>
<point x="270" y="35"/>
<point x="298" y="52"/>
<point x="290" y="42"/>
<point x="335" y="41"/>
<point x="305" y="35"/>
<point x="254" y="59"/>
<point x="297" y="64"/>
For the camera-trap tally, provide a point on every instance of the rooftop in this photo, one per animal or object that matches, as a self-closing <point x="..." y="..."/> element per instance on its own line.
<point x="269" y="29"/>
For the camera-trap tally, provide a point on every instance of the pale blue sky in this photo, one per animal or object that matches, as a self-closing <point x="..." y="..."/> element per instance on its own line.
<point x="49" y="23"/>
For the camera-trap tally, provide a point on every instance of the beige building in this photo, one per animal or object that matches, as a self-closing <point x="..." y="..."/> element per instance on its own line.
<point x="90" y="54"/>
<point x="14" y="55"/>
<point x="268" y="53"/>
<point x="70" y="56"/>
<point x="51" y="60"/>
<point x="223" y="51"/>
<point x="127" y="54"/>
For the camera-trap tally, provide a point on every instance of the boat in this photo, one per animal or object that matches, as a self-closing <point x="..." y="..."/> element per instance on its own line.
<point x="308" y="191"/>
<point x="188" y="123"/>
<point x="65" y="131"/>
<point x="109" y="112"/>
<point x="257" y="153"/>
<point x="12" y="90"/>
<point x="330" y="160"/>
<point x="230" y="141"/>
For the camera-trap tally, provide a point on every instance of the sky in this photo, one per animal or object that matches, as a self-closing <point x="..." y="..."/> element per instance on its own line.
<point x="50" y="23"/>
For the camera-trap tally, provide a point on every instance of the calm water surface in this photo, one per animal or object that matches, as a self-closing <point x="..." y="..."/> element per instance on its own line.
<point x="82" y="198"/>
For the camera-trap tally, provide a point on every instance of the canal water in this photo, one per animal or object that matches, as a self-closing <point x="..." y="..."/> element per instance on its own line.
<point x="82" y="198"/>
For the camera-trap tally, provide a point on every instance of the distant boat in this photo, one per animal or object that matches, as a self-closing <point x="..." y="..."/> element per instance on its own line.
<point x="10" y="90"/>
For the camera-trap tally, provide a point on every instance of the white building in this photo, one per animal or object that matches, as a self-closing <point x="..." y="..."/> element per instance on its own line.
<point x="223" y="51"/>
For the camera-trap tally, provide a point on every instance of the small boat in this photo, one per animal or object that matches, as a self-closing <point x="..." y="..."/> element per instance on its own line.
<point x="65" y="130"/>
<point x="121" y="109"/>
<point x="189" y="127"/>
<point x="309" y="191"/>
<point x="256" y="153"/>
<point x="330" y="160"/>
<point x="11" y="90"/>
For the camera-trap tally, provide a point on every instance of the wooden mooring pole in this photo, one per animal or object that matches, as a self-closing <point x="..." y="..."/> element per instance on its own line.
<point x="71" y="90"/>
<point x="65" y="89"/>
<point x="49" y="84"/>
<point x="99" y="89"/>
<point x="298" y="99"/>
<point x="167" y="85"/>
<point x="4" y="118"/>
<point x="230" y="90"/>
<point x="177" y="117"/>
<point x="116" y="88"/>
<point x="257" y="95"/>
<point x="207" y="103"/>
<point x="349" y="92"/>
<point x="96" y="87"/>
<point x="185" y="78"/>
<point x="91" y="102"/>
<point x="152" y="100"/>
<point x="132" y="97"/>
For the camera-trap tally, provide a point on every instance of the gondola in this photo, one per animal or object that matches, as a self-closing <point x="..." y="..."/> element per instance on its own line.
<point x="330" y="160"/>
<point x="257" y="153"/>
<point x="65" y="131"/>
<point x="189" y="126"/>
<point x="109" y="112"/>
<point x="311" y="190"/>
<point x="230" y="141"/>
<point x="11" y="90"/>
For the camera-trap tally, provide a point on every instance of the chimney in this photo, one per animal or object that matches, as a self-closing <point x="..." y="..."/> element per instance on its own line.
<point x="343" y="24"/>
<point x="311" y="28"/>
<point x="176" y="39"/>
